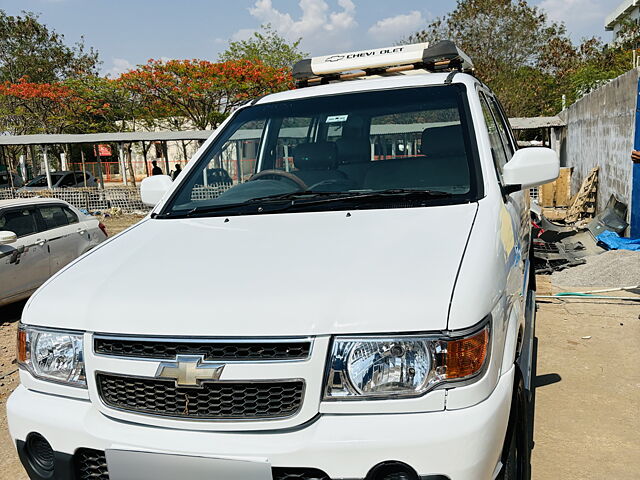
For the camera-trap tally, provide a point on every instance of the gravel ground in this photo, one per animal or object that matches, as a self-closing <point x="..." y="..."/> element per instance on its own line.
<point x="615" y="268"/>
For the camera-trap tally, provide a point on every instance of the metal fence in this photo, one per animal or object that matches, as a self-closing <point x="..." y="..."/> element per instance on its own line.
<point x="126" y="199"/>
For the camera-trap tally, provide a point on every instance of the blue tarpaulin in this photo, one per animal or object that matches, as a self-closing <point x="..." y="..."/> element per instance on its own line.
<point x="613" y="241"/>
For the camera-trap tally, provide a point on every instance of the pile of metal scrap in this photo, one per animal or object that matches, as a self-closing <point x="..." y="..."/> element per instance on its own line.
<point x="557" y="247"/>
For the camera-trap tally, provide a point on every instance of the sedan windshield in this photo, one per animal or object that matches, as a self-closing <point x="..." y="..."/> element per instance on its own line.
<point x="383" y="149"/>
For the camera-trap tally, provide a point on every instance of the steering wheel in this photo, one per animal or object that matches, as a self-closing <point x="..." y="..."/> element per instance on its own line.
<point x="279" y="174"/>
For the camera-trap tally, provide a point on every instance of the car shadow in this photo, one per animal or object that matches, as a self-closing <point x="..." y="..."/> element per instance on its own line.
<point x="12" y="312"/>
<point x="539" y="381"/>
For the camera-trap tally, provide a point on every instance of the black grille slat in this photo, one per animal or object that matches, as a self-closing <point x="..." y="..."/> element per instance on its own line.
<point x="215" y="400"/>
<point x="91" y="465"/>
<point x="238" y="351"/>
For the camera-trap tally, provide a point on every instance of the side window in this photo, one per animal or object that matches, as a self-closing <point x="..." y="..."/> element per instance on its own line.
<point x="20" y="221"/>
<point x="503" y="128"/>
<point x="497" y="147"/>
<point x="71" y="216"/>
<point x="54" y="217"/>
<point x="68" y="180"/>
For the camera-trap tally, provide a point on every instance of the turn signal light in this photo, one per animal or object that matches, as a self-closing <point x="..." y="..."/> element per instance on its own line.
<point x="466" y="356"/>
<point x="22" y="346"/>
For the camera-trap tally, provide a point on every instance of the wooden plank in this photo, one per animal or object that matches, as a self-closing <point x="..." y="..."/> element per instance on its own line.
<point x="563" y="188"/>
<point x="584" y="199"/>
<point x="548" y="195"/>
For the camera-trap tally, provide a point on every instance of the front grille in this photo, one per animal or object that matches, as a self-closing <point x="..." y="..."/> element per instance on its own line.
<point x="211" y="350"/>
<point x="91" y="465"/>
<point x="299" y="474"/>
<point x="215" y="400"/>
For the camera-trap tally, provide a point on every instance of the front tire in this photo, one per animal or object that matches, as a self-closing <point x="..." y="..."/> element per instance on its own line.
<point x="516" y="452"/>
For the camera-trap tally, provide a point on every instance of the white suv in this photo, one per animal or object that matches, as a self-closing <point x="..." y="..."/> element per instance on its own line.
<point x="357" y="305"/>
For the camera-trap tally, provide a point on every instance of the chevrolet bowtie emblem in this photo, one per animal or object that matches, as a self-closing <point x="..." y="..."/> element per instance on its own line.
<point x="190" y="370"/>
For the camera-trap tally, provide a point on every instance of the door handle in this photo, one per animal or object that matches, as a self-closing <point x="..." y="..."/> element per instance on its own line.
<point x="82" y="231"/>
<point x="40" y="242"/>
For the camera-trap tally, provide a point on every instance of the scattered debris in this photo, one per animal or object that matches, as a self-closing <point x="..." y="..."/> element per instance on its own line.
<point x="555" y="257"/>
<point x="612" y="218"/>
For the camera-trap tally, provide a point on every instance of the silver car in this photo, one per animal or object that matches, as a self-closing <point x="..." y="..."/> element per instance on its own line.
<point x="63" y="179"/>
<point x="38" y="237"/>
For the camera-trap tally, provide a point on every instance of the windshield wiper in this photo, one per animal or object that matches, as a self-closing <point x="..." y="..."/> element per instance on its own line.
<point x="311" y="198"/>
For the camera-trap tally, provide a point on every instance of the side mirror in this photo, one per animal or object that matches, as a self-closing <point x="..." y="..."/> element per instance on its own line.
<point x="7" y="237"/>
<point x="152" y="189"/>
<point x="529" y="168"/>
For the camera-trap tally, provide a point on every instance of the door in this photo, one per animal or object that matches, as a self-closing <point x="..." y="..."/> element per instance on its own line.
<point x="24" y="265"/>
<point x="65" y="239"/>
<point x="515" y="215"/>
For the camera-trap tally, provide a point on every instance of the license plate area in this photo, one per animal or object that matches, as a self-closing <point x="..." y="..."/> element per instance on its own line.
<point x="139" y="465"/>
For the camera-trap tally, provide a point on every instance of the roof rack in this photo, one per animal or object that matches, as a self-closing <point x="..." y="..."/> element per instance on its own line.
<point x="443" y="56"/>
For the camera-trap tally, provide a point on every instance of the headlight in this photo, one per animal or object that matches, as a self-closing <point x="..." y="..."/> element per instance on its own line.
<point x="402" y="366"/>
<point x="52" y="355"/>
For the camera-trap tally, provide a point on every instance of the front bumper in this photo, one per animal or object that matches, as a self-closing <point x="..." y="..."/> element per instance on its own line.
<point x="460" y="444"/>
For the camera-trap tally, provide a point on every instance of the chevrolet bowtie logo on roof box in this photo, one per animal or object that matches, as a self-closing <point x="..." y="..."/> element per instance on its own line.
<point x="442" y="56"/>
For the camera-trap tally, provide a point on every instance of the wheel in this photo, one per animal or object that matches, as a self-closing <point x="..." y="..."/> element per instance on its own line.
<point x="516" y="452"/>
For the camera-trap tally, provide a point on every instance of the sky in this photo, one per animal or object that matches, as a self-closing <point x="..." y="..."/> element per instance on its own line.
<point x="129" y="32"/>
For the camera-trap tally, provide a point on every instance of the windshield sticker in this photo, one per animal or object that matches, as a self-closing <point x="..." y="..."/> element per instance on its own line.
<point x="337" y="118"/>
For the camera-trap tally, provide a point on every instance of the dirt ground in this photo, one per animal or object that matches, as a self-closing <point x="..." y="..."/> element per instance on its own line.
<point x="117" y="224"/>
<point x="587" y="395"/>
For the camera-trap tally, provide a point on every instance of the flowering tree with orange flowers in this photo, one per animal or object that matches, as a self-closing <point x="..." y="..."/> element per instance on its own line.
<point x="30" y="107"/>
<point x="202" y="91"/>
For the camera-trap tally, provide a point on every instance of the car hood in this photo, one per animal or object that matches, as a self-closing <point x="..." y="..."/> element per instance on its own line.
<point x="370" y="271"/>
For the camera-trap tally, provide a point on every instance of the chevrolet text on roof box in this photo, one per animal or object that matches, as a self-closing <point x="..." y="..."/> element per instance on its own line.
<point x="352" y="304"/>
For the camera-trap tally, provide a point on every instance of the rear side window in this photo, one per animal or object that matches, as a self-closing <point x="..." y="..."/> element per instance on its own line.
<point x="20" y="221"/>
<point x="502" y="128"/>
<point x="497" y="148"/>
<point x="68" y="181"/>
<point x="53" y="217"/>
<point x="71" y="216"/>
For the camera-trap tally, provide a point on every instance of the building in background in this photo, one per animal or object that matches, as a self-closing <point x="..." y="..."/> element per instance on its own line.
<point x="627" y="11"/>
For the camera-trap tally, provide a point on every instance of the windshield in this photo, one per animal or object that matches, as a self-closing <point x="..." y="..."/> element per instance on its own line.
<point x="41" y="180"/>
<point x="358" y="150"/>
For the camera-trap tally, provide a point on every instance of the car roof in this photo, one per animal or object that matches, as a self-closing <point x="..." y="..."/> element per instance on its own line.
<point x="17" y="202"/>
<point x="413" y="79"/>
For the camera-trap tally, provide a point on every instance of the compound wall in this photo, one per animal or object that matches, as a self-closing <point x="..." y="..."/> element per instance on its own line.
<point x="600" y="132"/>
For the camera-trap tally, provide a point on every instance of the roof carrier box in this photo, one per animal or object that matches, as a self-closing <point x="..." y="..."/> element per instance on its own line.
<point x="442" y="56"/>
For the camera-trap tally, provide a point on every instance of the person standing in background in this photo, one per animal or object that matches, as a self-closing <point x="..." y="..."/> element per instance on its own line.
<point x="176" y="172"/>
<point x="156" y="170"/>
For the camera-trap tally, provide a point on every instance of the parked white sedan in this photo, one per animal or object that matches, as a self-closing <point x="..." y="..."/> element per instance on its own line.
<point x="39" y="236"/>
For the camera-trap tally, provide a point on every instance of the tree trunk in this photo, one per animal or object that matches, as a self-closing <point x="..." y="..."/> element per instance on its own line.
<point x="130" y="164"/>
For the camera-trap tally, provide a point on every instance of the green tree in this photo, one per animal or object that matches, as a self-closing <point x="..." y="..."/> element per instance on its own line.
<point x="516" y="49"/>
<point x="266" y="46"/>
<point x="30" y="49"/>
